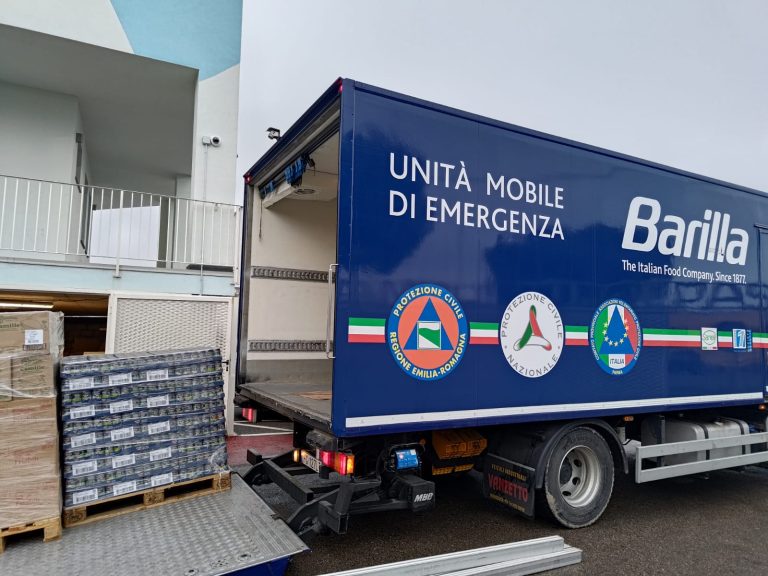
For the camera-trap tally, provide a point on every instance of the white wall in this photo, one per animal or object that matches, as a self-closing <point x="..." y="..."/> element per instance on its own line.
<point x="92" y="21"/>
<point x="295" y="234"/>
<point x="38" y="129"/>
<point x="217" y="99"/>
<point x="291" y="234"/>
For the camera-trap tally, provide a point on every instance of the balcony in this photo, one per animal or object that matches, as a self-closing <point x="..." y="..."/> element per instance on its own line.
<point x="118" y="230"/>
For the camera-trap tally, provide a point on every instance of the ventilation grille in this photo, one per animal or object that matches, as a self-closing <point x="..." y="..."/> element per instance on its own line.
<point x="150" y="324"/>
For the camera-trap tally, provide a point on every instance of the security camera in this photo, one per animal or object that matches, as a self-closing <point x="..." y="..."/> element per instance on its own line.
<point x="214" y="141"/>
<point x="273" y="133"/>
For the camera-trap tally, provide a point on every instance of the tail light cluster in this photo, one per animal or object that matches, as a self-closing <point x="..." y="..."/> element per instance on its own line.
<point x="342" y="462"/>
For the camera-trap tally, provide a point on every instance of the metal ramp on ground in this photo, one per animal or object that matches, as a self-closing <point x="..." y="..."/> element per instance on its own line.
<point x="231" y="532"/>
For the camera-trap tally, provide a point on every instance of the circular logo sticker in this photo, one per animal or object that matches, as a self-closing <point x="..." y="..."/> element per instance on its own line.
<point x="532" y="334"/>
<point x="427" y="332"/>
<point x="615" y="337"/>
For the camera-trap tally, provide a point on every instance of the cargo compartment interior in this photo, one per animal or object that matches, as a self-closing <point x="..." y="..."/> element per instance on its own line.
<point x="293" y="244"/>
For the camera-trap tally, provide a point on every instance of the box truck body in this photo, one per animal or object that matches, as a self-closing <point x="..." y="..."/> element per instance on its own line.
<point x="485" y="276"/>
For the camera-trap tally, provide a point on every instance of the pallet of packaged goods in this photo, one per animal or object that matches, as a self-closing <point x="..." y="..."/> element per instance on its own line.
<point x="141" y="430"/>
<point x="30" y="479"/>
<point x="143" y="499"/>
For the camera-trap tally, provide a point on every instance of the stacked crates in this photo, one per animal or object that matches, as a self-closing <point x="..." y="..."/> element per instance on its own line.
<point x="132" y="422"/>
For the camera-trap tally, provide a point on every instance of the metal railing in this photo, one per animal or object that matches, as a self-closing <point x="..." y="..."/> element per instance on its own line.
<point x="92" y="224"/>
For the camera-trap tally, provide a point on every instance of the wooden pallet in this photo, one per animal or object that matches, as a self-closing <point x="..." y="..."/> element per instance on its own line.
<point x="144" y="499"/>
<point x="51" y="528"/>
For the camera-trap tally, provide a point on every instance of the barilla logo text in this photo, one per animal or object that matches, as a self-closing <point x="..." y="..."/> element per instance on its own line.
<point x="709" y="239"/>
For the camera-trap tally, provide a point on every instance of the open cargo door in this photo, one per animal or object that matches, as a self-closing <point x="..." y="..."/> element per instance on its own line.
<point x="291" y="256"/>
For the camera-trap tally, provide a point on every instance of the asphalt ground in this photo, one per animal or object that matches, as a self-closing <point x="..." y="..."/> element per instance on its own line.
<point x="711" y="524"/>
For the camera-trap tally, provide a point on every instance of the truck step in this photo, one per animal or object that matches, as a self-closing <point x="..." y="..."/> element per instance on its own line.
<point x="51" y="528"/>
<point x="144" y="499"/>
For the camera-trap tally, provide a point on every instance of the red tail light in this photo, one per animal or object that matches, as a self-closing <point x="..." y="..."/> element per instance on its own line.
<point x="326" y="458"/>
<point x="341" y="462"/>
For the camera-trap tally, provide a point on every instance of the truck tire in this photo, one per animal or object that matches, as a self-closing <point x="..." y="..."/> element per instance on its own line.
<point x="578" y="480"/>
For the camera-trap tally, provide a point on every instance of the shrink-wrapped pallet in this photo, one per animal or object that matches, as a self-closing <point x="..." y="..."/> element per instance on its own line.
<point x="30" y="477"/>
<point x="133" y="422"/>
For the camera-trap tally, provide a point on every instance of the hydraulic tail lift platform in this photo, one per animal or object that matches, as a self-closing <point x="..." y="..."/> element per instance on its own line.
<point x="231" y="532"/>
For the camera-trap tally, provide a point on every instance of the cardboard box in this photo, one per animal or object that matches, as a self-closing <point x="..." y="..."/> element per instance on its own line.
<point x="33" y="376"/>
<point x="30" y="478"/>
<point x="32" y="332"/>
<point x="34" y="419"/>
<point x="30" y="459"/>
<point x="23" y="501"/>
<point x="6" y="386"/>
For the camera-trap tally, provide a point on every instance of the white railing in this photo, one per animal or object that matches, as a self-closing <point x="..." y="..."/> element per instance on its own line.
<point x="92" y="224"/>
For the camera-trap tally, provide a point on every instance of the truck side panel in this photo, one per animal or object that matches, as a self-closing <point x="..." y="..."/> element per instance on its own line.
<point x="510" y="264"/>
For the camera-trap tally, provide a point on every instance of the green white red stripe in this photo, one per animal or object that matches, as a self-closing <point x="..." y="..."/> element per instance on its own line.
<point x="672" y="338"/>
<point x="483" y="333"/>
<point x="372" y="331"/>
<point x="366" y="330"/>
<point x="576" y="336"/>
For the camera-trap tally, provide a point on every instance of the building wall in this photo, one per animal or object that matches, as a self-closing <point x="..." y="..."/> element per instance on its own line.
<point x="203" y="34"/>
<point x="92" y="21"/>
<point x="43" y="126"/>
<point x="217" y="99"/>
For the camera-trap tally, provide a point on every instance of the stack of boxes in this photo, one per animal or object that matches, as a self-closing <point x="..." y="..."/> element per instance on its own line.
<point x="135" y="422"/>
<point x="31" y="344"/>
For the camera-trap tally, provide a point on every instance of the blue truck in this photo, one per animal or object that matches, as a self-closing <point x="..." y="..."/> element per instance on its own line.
<point x="427" y="292"/>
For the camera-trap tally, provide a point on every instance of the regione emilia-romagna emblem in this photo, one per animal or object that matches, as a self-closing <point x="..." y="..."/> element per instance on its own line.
<point x="532" y="334"/>
<point x="427" y="332"/>
<point x="615" y="337"/>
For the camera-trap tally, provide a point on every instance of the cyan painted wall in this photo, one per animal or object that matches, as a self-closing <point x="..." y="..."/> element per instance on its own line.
<point x="203" y="34"/>
<point x="68" y="278"/>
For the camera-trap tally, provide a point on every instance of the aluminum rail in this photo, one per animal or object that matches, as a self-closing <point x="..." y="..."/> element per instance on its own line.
<point x="526" y="557"/>
<point x="694" y="446"/>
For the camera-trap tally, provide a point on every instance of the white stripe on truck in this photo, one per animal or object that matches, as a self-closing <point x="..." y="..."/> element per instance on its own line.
<point x="388" y="420"/>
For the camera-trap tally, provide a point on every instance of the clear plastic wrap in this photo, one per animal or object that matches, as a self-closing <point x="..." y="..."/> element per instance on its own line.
<point x="30" y="477"/>
<point x="137" y="421"/>
<point x="27" y="375"/>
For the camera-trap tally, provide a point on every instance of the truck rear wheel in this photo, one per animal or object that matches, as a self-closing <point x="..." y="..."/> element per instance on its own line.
<point x="578" y="480"/>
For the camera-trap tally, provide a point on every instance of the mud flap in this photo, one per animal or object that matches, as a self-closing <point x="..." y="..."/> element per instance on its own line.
<point x="510" y="483"/>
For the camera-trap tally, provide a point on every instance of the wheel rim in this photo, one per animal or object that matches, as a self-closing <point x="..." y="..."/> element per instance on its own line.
<point x="580" y="476"/>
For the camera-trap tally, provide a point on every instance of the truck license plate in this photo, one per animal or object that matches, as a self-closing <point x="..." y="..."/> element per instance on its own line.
<point x="310" y="461"/>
